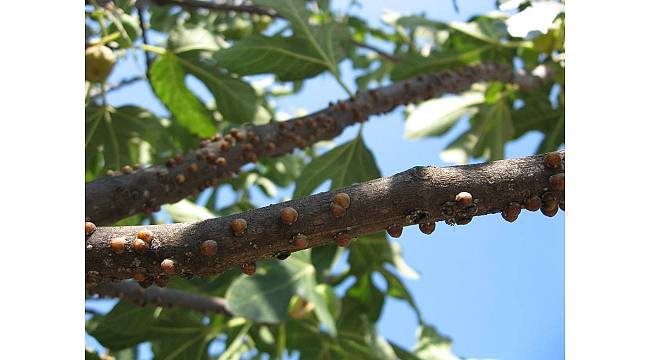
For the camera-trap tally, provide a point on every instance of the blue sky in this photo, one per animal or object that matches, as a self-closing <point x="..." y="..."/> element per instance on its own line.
<point x="496" y="288"/>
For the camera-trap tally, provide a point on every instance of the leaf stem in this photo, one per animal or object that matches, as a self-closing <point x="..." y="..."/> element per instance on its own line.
<point x="154" y="49"/>
<point x="93" y="128"/>
<point x="340" y="81"/>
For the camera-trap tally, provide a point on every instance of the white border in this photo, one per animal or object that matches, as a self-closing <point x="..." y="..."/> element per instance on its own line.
<point x="41" y="119"/>
<point x="607" y="242"/>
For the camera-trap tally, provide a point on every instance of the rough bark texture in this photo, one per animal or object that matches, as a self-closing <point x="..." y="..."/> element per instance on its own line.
<point x="111" y="198"/>
<point x="132" y="291"/>
<point x="418" y="195"/>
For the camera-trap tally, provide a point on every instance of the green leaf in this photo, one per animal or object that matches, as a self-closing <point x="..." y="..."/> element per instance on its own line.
<point x="366" y="344"/>
<point x="500" y="131"/>
<point x="325" y="40"/>
<point x="323" y="258"/>
<point x="236" y="99"/>
<point x="124" y="326"/>
<point x="494" y="92"/>
<point x="116" y="133"/>
<point x="554" y="138"/>
<point x="364" y="298"/>
<point x="284" y="170"/>
<point x="187" y="211"/>
<point x="432" y="345"/>
<point x="487" y="30"/>
<point x="310" y="341"/>
<point x="436" y="117"/>
<point x="168" y="81"/>
<point x="128" y="27"/>
<point x="370" y="252"/>
<point x="398" y="290"/>
<point x="414" y="21"/>
<point x="126" y="354"/>
<point x="182" y="39"/>
<point x="164" y="17"/>
<point x="461" y="149"/>
<point x="287" y="58"/>
<point x="437" y="61"/>
<point x="346" y="164"/>
<point x="402" y="353"/>
<point x="536" y="114"/>
<point x="236" y="346"/>
<point x="292" y="10"/>
<point x="490" y="129"/>
<point x="178" y="335"/>
<point x="265" y="297"/>
<point x="319" y="299"/>
<point x="398" y="261"/>
<point x="91" y="354"/>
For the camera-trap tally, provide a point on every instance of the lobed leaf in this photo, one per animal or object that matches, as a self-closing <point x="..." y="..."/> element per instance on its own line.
<point x="344" y="165"/>
<point x="168" y="81"/>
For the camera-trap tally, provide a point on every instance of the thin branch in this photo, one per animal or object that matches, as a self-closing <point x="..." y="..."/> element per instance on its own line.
<point x="421" y="195"/>
<point x="219" y="6"/>
<point x="131" y="291"/>
<point x="112" y="198"/>
<point x="145" y="38"/>
<point x="380" y="52"/>
<point x="119" y="85"/>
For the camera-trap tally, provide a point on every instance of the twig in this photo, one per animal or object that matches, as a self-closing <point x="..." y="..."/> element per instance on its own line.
<point x="131" y="291"/>
<point x="113" y="87"/>
<point x="387" y="56"/>
<point x="145" y="38"/>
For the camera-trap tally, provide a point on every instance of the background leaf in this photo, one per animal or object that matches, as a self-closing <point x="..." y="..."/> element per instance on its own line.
<point x="168" y="81"/>
<point x="264" y="297"/>
<point x="437" y="61"/>
<point x="236" y="99"/>
<point x="124" y="326"/>
<point x="435" y="117"/>
<point x="288" y="58"/>
<point x="345" y="164"/>
<point x="187" y="211"/>
<point x="182" y="39"/>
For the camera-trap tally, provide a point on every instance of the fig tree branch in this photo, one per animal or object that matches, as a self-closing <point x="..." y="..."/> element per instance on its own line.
<point x="421" y="195"/>
<point x="133" y="292"/>
<point x="111" y="198"/>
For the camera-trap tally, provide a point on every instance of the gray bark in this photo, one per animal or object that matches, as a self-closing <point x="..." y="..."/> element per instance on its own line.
<point x="111" y="198"/>
<point x="418" y="195"/>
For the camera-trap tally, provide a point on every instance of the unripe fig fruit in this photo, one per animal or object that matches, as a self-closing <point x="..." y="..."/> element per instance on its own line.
<point x="99" y="62"/>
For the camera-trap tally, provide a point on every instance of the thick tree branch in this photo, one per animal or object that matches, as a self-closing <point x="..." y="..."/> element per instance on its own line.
<point x="132" y="291"/>
<point x="219" y="6"/>
<point x="114" y="197"/>
<point x="421" y="195"/>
